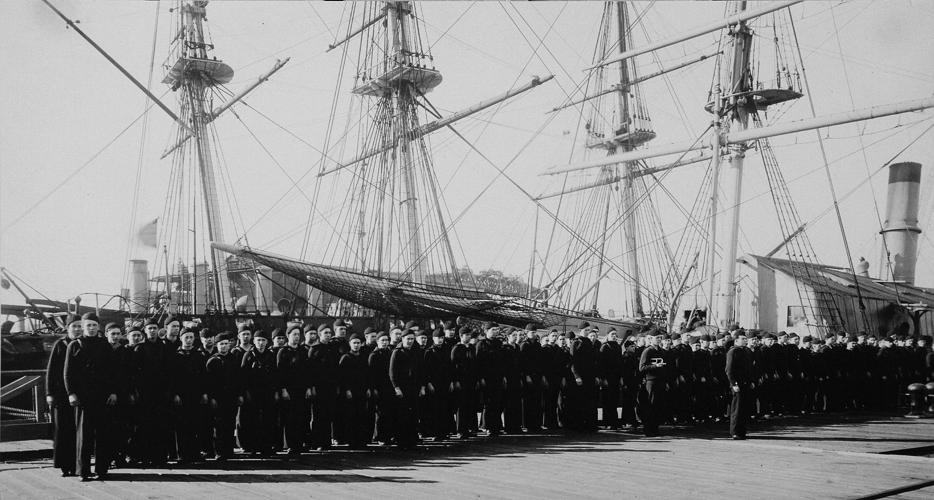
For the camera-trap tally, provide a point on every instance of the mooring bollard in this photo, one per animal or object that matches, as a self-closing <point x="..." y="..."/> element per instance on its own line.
<point x="915" y="394"/>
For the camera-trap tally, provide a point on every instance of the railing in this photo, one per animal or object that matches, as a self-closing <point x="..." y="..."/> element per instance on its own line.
<point x="19" y="422"/>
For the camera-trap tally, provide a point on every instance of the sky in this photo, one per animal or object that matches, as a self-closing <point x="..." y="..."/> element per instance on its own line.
<point x="67" y="173"/>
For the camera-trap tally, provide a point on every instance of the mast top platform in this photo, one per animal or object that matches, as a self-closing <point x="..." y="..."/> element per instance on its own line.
<point x="623" y="138"/>
<point x="212" y="71"/>
<point x="423" y="79"/>
<point x="761" y="98"/>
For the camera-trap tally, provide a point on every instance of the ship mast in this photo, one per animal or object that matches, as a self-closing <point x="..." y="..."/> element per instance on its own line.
<point x="626" y="135"/>
<point x="194" y="73"/>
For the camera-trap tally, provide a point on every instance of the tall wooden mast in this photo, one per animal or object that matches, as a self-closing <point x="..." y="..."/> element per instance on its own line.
<point x="194" y="73"/>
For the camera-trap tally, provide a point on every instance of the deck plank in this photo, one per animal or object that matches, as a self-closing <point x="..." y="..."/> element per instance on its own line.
<point x="826" y="456"/>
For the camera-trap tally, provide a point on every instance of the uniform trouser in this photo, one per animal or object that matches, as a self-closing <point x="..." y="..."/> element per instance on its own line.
<point x="91" y="428"/>
<point x="609" y="399"/>
<point x="739" y="411"/>
<point x="322" y="416"/>
<point x="386" y="412"/>
<point x="550" y="403"/>
<point x="652" y="405"/>
<point x="407" y="412"/>
<point x="492" y="395"/>
<point x="188" y="416"/>
<point x="532" y="406"/>
<point x="590" y="396"/>
<point x="512" y="407"/>
<point x="225" y="419"/>
<point x="352" y="418"/>
<point x="438" y="402"/>
<point x="295" y="420"/>
<point x="256" y="422"/>
<point x="63" y="437"/>
<point x="152" y="432"/>
<point x="464" y="397"/>
<point x="630" y="393"/>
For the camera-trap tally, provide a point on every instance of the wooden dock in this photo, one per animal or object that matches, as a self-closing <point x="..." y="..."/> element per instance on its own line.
<point x="824" y="456"/>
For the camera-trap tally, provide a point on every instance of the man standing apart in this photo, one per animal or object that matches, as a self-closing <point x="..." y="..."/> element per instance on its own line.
<point x="63" y="416"/>
<point x="88" y="381"/>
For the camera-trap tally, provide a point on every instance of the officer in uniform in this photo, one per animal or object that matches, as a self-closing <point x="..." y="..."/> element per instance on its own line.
<point x="654" y="369"/>
<point x="89" y="379"/>
<point x="63" y="415"/>
<point x="739" y="374"/>
<point x="224" y="394"/>
<point x="381" y="389"/>
<point x="352" y="402"/>
<point x="189" y="396"/>
<point x="294" y="389"/>
<point x="406" y="382"/>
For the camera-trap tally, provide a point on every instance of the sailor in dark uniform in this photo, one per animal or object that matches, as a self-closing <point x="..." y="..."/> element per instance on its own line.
<point x="381" y="389"/>
<point x="739" y="374"/>
<point x="464" y="382"/>
<point x="490" y="377"/>
<point x="584" y="388"/>
<point x="610" y="371"/>
<point x="531" y="365"/>
<point x="117" y="415"/>
<point x="130" y="367"/>
<point x="352" y="402"/>
<point x="553" y="375"/>
<point x="224" y="395"/>
<point x="512" y="397"/>
<point x="406" y="382"/>
<point x="89" y="380"/>
<point x="189" y="396"/>
<point x="438" y="387"/>
<point x="245" y="433"/>
<point x="63" y="415"/>
<point x="294" y="389"/>
<point x="258" y="413"/>
<point x="324" y="359"/>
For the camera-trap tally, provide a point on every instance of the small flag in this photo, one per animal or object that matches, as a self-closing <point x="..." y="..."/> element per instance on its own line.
<point x="147" y="234"/>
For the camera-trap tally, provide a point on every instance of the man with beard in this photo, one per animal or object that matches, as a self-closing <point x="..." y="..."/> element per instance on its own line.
<point x="189" y="396"/>
<point x="63" y="415"/>
<point x="406" y="382"/>
<point x="464" y="383"/>
<point x="224" y="395"/>
<point x="89" y="377"/>
<point x="381" y="389"/>
<point x="258" y="413"/>
<point x="352" y="402"/>
<point x="294" y="389"/>
<point x="324" y="358"/>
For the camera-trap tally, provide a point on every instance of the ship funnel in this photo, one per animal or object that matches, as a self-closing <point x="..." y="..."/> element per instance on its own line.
<point x="139" y="286"/>
<point x="900" y="231"/>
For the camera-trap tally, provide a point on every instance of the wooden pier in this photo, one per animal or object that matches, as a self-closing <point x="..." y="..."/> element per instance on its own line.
<point x="823" y="456"/>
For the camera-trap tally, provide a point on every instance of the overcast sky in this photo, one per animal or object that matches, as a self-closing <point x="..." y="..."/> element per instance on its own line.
<point x="62" y="103"/>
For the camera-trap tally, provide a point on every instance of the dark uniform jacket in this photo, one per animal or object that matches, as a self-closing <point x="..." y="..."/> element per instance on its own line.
<point x="292" y="370"/>
<point x="739" y="369"/>
<point x="55" y="371"/>
<point x="187" y="374"/>
<point x="647" y="367"/>
<point x="403" y="370"/>
<point x="89" y="369"/>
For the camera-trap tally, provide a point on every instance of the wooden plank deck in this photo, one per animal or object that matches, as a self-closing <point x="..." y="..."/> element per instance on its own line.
<point x="836" y="456"/>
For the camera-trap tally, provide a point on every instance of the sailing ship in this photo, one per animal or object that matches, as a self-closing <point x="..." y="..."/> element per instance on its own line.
<point x="393" y="247"/>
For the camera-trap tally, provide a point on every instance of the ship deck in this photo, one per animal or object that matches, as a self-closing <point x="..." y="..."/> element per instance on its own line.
<point x="825" y="456"/>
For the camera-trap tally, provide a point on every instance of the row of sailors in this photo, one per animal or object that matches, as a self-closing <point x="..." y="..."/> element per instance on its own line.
<point x="161" y="397"/>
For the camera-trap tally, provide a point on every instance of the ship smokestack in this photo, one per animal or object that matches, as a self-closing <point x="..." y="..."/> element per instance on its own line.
<point x="139" y="286"/>
<point x="900" y="231"/>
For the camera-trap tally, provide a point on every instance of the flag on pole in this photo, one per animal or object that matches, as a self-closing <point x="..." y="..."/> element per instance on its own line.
<point x="147" y="234"/>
